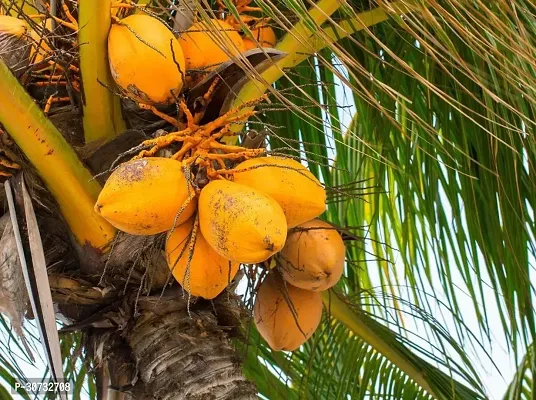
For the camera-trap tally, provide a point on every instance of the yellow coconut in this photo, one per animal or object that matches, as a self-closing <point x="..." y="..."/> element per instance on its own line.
<point x="206" y="45"/>
<point x="264" y="37"/>
<point x="313" y="256"/>
<point x="298" y="192"/>
<point x="144" y="196"/>
<point x="146" y="60"/>
<point x="240" y="223"/>
<point x="286" y="316"/>
<point x="208" y="273"/>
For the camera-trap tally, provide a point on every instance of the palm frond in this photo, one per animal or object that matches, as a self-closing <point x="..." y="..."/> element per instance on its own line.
<point x="522" y="385"/>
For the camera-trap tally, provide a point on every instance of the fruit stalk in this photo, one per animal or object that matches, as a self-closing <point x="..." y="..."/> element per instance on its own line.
<point x="68" y="180"/>
<point x="299" y="44"/>
<point x="364" y="327"/>
<point x="102" y="109"/>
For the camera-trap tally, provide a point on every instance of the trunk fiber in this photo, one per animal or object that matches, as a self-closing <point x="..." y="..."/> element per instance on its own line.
<point x="169" y="352"/>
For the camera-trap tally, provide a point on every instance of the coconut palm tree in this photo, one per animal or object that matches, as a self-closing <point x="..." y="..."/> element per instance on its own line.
<point x="418" y="118"/>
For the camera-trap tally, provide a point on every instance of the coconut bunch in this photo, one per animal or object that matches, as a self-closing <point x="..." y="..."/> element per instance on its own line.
<point x="140" y="47"/>
<point x="264" y="210"/>
<point x="220" y="206"/>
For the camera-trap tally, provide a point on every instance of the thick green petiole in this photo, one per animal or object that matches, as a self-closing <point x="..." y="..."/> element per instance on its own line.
<point x="65" y="176"/>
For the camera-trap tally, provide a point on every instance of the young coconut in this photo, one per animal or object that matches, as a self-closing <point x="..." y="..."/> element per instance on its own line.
<point x="206" y="45"/>
<point x="145" y="196"/>
<point x="313" y="256"/>
<point x="208" y="273"/>
<point x="264" y="37"/>
<point x="286" y="316"/>
<point x="298" y="192"/>
<point x="241" y="223"/>
<point x="146" y="60"/>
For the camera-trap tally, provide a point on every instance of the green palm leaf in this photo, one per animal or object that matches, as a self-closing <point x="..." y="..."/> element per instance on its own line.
<point x="522" y="386"/>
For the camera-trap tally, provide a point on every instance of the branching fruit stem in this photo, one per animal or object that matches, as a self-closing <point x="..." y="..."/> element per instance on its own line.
<point x="300" y="42"/>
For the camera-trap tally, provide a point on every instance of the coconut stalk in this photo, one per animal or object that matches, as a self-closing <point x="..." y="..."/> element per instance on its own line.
<point x="63" y="173"/>
<point x="382" y="340"/>
<point x="300" y="42"/>
<point x="102" y="109"/>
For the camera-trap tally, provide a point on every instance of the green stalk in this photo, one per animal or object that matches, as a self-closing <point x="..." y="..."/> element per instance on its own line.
<point x="299" y="35"/>
<point x="438" y="383"/>
<point x="65" y="176"/>
<point x="300" y="42"/>
<point x="363" y="327"/>
<point x="102" y="109"/>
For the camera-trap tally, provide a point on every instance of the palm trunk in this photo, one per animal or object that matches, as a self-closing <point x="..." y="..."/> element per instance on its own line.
<point x="159" y="348"/>
<point x="181" y="356"/>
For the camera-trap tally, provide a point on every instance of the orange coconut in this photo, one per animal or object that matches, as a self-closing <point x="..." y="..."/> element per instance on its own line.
<point x="145" y="196"/>
<point x="206" y="45"/>
<point x="298" y="192"/>
<point x="146" y="60"/>
<point x="241" y="223"/>
<point x="264" y="37"/>
<point x="286" y="316"/>
<point x="313" y="256"/>
<point x="208" y="273"/>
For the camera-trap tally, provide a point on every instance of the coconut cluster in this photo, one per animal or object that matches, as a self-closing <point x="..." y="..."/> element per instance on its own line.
<point x="288" y="307"/>
<point x="259" y="211"/>
<point x="267" y="209"/>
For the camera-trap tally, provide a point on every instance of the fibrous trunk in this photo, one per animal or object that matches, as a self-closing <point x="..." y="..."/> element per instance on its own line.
<point x="169" y="352"/>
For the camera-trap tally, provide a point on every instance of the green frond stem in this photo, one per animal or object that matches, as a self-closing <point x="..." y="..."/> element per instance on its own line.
<point x="298" y="36"/>
<point x="68" y="180"/>
<point x="523" y="385"/>
<point x="299" y="49"/>
<point x="361" y="326"/>
<point x="102" y="109"/>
